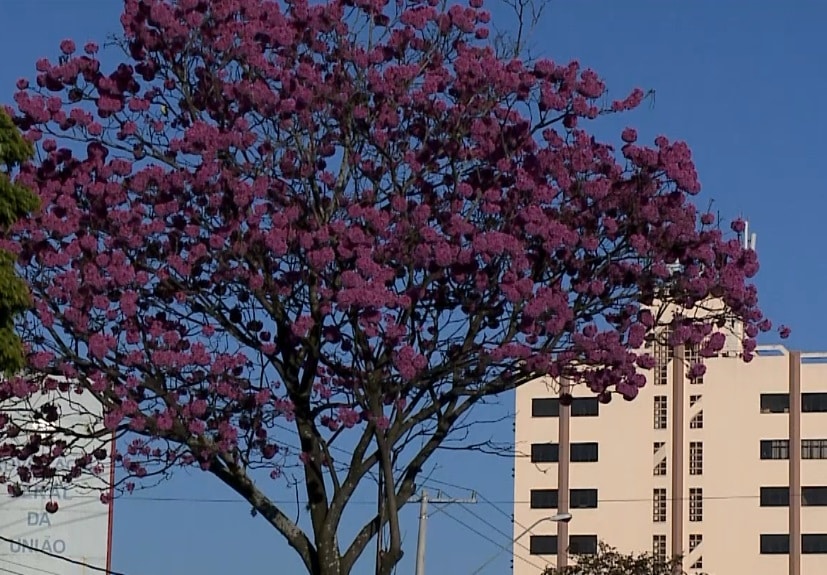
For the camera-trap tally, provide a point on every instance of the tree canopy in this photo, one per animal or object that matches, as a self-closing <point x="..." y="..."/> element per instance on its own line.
<point x="610" y="561"/>
<point x="16" y="202"/>
<point x="347" y="223"/>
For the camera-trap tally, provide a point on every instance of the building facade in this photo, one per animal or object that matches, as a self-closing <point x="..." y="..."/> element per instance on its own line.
<point x="728" y="470"/>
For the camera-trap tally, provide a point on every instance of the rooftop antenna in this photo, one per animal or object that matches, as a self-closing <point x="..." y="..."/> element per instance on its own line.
<point x="749" y="239"/>
<point x="746" y="234"/>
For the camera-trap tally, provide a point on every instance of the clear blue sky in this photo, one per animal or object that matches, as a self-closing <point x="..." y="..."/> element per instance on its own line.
<point x="740" y="80"/>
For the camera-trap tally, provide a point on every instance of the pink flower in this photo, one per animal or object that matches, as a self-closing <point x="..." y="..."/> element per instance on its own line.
<point x="302" y="325"/>
<point x="645" y="361"/>
<point x="67" y="47"/>
<point x="696" y="370"/>
<point x="165" y="421"/>
<point x="717" y="341"/>
<point x="98" y="345"/>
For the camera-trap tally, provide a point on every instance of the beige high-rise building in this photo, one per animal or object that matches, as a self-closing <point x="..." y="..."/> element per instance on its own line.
<point x="729" y="470"/>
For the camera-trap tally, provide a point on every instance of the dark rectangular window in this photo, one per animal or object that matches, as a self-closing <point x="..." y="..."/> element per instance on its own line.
<point x="659" y="505"/>
<point x="583" y="544"/>
<point x="663" y="353"/>
<point x="583" y="498"/>
<point x="776" y="448"/>
<point x="697" y="421"/>
<point x="775" y="544"/>
<point x="780" y="496"/>
<point x="696" y="504"/>
<point x="775" y="403"/>
<point x="660" y="466"/>
<point x="543" y="545"/>
<point x="775" y="496"/>
<point x="659" y="547"/>
<point x="813" y="543"/>
<point x="550" y="407"/>
<point x="544" y="499"/>
<point x="584" y="452"/>
<point x="779" y="544"/>
<point x="545" y="407"/>
<point x="696" y="458"/>
<point x="545" y="453"/>
<point x="660" y="414"/>
<point x="585" y="407"/>
<point x="695" y="540"/>
<point x="814" y="449"/>
<point x="814" y="496"/>
<point x="813" y="402"/>
<point x="578" y="498"/>
<point x="692" y="355"/>
<point x="550" y="452"/>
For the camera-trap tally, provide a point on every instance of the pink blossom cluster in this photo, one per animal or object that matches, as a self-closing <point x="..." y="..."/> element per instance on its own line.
<point x="269" y="218"/>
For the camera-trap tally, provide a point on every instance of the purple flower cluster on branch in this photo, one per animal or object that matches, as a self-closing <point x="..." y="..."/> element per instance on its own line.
<point x="345" y="216"/>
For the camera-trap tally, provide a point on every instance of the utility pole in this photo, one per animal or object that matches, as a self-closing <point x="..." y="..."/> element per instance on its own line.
<point x="420" y="539"/>
<point x="379" y="512"/>
<point x="424" y="499"/>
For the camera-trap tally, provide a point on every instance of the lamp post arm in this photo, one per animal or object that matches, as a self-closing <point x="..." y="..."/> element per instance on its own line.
<point x="517" y="538"/>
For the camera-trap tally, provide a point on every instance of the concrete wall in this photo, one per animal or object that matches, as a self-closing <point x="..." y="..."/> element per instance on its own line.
<point x="731" y="479"/>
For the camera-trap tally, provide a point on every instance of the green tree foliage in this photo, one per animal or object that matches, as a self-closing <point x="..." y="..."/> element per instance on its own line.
<point x="16" y="202"/>
<point x="610" y="561"/>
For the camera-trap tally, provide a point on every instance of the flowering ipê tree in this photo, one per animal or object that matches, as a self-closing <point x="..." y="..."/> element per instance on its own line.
<point x="353" y="219"/>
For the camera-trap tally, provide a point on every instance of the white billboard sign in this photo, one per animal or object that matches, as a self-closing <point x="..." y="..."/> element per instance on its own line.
<point x="81" y="529"/>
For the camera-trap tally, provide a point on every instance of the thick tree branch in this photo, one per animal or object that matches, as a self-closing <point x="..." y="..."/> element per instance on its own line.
<point x="236" y="479"/>
<point x="407" y="486"/>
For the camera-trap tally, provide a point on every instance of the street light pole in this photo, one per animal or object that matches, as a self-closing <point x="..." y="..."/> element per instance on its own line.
<point x="558" y="518"/>
<point x="423" y="525"/>
<point x="424" y="499"/>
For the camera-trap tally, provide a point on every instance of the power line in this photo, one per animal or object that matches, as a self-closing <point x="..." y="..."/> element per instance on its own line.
<point x="9" y="561"/>
<point x="478" y="517"/>
<point x="490" y="540"/>
<point x="511" y="540"/>
<point x="61" y="557"/>
<point x="495" y="503"/>
<point x="10" y="571"/>
<point x="421" y="539"/>
<point x="508" y="536"/>
<point x="500" y="502"/>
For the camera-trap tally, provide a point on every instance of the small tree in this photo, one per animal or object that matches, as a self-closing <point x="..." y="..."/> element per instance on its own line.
<point x="16" y="202"/>
<point x="352" y="218"/>
<point x="609" y="561"/>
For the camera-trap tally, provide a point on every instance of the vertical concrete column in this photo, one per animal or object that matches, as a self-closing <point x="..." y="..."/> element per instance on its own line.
<point x="795" y="463"/>
<point x="563" y="465"/>
<point x="678" y="467"/>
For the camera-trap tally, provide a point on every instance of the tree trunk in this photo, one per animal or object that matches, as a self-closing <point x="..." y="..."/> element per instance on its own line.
<point x="329" y="560"/>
